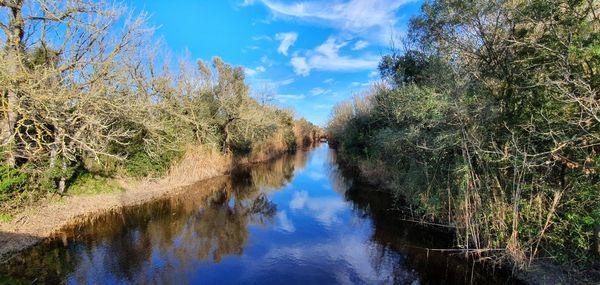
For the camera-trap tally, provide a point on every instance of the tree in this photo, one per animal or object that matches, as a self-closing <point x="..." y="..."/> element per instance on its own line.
<point x="61" y="96"/>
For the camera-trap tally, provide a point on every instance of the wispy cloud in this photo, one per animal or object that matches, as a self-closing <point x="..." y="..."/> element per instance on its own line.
<point x="283" y="98"/>
<point x="287" y="40"/>
<point x="360" y="45"/>
<point x="327" y="57"/>
<point x="253" y="72"/>
<point x="318" y="91"/>
<point x="375" y="19"/>
<point x="286" y="82"/>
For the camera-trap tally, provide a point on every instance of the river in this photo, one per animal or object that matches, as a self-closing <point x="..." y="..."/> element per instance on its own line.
<point x="295" y="220"/>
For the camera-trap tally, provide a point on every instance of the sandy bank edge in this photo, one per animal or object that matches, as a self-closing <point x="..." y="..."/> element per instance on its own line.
<point x="37" y="223"/>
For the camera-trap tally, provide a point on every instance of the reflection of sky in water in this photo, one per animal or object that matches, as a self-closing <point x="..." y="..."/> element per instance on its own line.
<point x="314" y="237"/>
<point x="320" y="235"/>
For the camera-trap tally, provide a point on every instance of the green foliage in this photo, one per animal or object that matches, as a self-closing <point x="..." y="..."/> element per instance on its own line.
<point x="88" y="184"/>
<point x="306" y="133"/>
<point x="189" y="108"/>
<point x="140" y="163"/>
<point x="6" y="218"/>
<point x="111" y="110"/>
<point x="571" y="238"/>
<point x="494" y="131"/>
<point x="11" y="181"/>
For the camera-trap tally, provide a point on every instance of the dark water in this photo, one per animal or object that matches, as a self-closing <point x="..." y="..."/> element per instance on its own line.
<point x="296" y="220"/>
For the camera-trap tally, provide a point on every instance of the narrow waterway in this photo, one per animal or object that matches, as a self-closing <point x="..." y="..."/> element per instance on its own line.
<point x="295" y="220"/>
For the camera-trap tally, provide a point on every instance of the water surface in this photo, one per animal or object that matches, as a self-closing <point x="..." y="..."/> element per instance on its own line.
<point x="295" y="220"/>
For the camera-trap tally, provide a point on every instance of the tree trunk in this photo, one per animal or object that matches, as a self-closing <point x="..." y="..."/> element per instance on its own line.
<point x="226" y="148"/>
<point x="7" y="126"/>
<point x="15" y="52"/>
<point x="62" y="184"/>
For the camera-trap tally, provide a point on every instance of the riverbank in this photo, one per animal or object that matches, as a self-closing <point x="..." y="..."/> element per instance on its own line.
<point x="540" y="271"/>
<point x="49" y="216"/>
<point x="300" y="217"/>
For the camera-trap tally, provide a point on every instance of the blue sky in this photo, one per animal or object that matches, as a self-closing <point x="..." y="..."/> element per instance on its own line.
<point x="313" y="54"/>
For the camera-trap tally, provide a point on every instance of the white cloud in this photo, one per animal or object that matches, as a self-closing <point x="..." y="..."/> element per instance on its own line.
<point x="300" y="66"/>
<point x="286" y="82"/>
<point x="360" y="45"/>
<point x="250" y="72"/>
<point x="253" y="72"/>
<point x="287" y="97"/>
<point x="327" y="57"/>
<point x="266" y="61"/>
<point x="261" y="38"/>
<point x="328" y="81"/>
<point x="287" y="40"/>
<point x="318" y="91"/>
<point x="376" y="19"/>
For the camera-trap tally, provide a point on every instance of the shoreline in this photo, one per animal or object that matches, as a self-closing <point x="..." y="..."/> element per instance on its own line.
<point x="539" y="272"/>
<point x="35" y="224"/>
<point x="40" y="222"/>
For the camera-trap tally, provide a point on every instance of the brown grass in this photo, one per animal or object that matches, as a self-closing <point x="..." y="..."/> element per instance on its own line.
<point x="267" y="150"/>
<point x="198" y="163"/>
<point x="36" y="223"/>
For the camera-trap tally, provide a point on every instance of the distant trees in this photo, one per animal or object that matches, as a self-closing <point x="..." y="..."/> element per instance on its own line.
<point x="82" y="93"/>
<point x="306" y="133"/>
<point x="490" y="125"/>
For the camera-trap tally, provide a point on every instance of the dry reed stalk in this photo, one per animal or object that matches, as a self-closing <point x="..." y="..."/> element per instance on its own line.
<point x="198" y="163"/>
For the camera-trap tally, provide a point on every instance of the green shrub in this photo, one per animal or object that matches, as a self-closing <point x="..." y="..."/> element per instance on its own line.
<point x="12" y="181"/>
<point x="89" y="184"/>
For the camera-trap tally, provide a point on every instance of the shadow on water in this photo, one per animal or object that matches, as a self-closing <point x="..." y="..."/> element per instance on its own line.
<point x="254" y="226"/>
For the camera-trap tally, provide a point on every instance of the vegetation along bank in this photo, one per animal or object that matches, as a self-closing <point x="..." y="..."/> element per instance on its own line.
<point x="103" y="101"/>
<point x="487" y="120"/>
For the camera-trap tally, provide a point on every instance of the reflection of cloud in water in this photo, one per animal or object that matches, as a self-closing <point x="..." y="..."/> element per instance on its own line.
<point x="350" y="257"/>
<point x="298" y="200"/>
<point x="324" y="210"/>
<point x="316" y="176"/>
<point x="284" y="223"/>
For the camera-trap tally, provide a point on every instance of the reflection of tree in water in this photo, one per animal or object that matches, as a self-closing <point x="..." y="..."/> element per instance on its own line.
<point x="407" y="243"/>
<point x="222" y="229"/>
<point x="273" y="175"/>
<point x="206" y="222"/>
<point x="338" y="177"/>
<point x="300" y="159"/>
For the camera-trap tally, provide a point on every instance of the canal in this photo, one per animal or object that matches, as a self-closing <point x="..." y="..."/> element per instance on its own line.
<point x="299" y="219"/>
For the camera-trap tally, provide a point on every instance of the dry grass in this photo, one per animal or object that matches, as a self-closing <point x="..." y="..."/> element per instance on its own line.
<point x="271" y="148"/>
<point x="36" y="223"/>
<point x="199" y="163"/>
